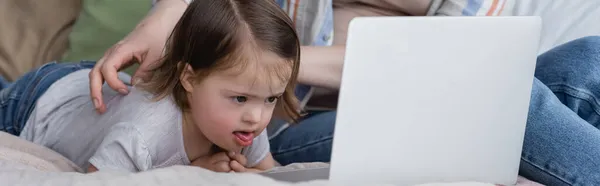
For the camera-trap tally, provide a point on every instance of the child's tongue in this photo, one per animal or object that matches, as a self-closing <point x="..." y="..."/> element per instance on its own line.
<point x="244" y="138"/>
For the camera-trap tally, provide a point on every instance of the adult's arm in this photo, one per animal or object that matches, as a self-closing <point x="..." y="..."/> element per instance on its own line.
<point x="321" y="66"/>
<point x="143" y="45"/>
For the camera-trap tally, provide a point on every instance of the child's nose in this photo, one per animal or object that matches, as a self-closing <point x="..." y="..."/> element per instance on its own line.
<point x="252" y="115"/>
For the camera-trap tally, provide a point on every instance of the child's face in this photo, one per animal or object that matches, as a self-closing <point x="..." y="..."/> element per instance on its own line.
<point x="230" y="109"/>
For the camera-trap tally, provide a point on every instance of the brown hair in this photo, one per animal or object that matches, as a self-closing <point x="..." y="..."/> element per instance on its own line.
<point x="211" y="35"/>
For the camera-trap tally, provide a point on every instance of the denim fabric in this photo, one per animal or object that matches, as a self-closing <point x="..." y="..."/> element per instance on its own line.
<point x="18" y="99"/>
<point x="307" y="141"/>
<point x="562" y="139"/>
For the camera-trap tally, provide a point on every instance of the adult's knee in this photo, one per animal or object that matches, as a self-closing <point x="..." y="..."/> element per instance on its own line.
<point x="586" y="49"/>
<point x="576" y="62"/>
<point x="588" y="41"/>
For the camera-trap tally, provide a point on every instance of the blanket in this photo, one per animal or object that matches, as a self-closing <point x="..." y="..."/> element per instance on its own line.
<point x="25" y="163"/>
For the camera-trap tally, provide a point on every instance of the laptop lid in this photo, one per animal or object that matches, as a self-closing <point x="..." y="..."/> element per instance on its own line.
<point x="434" y="99"/>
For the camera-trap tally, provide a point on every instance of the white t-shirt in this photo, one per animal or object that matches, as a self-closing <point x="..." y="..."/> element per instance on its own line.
<point x="134" y="134"/>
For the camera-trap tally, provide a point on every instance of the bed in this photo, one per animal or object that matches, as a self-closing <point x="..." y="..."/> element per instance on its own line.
<point x="25" y="163"/>
<point x="22" y="162"/>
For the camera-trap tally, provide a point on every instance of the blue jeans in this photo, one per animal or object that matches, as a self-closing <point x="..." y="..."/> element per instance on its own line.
<point x="18" y="99"/>
<point x="562" y="138"/>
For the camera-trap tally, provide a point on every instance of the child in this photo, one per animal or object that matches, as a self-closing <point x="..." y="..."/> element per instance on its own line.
<point x="229" y="64"/>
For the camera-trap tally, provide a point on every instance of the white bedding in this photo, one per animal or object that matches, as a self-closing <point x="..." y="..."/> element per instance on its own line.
<point x="177" y="175"/>
<point x="24" y="163"/>
<point x="563" y="20"/>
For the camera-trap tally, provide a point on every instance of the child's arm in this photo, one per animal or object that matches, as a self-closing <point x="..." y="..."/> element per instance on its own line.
<point x="91" y="169"/>
<point x="265" y="164"/>
<point x="123" y="148"/>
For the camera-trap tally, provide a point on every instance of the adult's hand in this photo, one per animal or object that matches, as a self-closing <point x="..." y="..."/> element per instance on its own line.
<point x="143" y="45"/>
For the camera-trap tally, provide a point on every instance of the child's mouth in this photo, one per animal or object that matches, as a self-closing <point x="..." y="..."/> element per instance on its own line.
<point x="244" y="138"/>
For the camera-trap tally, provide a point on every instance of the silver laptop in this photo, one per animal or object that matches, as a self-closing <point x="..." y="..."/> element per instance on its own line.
<point x="431" y="99"/>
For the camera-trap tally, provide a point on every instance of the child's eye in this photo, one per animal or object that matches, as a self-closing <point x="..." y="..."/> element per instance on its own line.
<point x="240" y="99"/>
<point x="271" y="99"/>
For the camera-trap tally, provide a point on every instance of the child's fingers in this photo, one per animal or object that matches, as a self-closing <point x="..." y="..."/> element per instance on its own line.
<point x="221" y="156"/>
<point x="239" y="158"/>
<point x="198" y="162"/>
<point x="236" y="166"/>
<point x="231" y="154"/>
<point x="221" y="166"/>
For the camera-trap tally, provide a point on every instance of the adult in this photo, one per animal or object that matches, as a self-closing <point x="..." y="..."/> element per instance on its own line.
<point x="562" y="135"/>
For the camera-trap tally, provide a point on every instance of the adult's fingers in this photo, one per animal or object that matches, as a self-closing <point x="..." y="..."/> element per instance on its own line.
<point x="96" y="81"/>
<point x="106" y="70"/>
<point x="122" y="55"/>
<point x="150" y="60"/>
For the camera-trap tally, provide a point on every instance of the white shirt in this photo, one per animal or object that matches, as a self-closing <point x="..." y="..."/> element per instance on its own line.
<point x="134" y="134"/>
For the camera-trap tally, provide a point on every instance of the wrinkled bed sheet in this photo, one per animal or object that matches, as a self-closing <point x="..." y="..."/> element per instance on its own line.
<point x="25" y="163"/>
<point x="177" y="175"/>
<point x="18" y="174"/>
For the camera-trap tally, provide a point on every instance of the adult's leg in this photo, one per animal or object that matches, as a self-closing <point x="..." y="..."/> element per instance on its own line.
<point x="562" y="140"/>
<point x="308" y="141"/>
<point x="3" y="83"/>
<point x="18" y="99"/>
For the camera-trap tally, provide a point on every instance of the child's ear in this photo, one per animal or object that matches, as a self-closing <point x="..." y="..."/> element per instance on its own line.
<point x="187" y="78"/>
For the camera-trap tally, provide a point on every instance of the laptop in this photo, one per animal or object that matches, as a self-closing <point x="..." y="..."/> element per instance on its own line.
<point x="431" y="99"/>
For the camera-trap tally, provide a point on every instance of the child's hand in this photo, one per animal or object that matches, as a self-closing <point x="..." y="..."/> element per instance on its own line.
<point x="219" y="162"/>
<point x="238" y="162"/>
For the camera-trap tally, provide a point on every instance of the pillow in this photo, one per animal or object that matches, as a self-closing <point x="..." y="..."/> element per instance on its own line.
<point x="17" y="153"/>
<point x="101" y="24"/>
